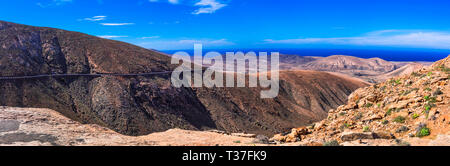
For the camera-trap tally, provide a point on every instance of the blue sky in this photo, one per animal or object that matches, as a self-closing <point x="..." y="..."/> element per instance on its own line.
<point x="178" y="24"/>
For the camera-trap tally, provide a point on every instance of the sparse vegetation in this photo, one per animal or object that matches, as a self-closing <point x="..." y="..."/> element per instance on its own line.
<point x="344" y="126"/>
<point x="389" y="112"/>
<point x="385" y="122"/>
<point x="395" y="82"/>
<point x="368" y="105"/>
<point x="400" y="119"/>
<point x="415" y="116"/>
<point x="427" y="107"/>
<point x="358" y="116"/>
<point x="406" y="92"/>
<point x="423" y="131"/>
<point x="237" y="142"/>
<point x="444" y="69"/>
<point x="331" y="143"/>
<point x="430" y="99"/>
<point x="366" y="129"/>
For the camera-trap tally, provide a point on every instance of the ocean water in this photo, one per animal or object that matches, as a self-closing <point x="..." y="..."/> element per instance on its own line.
<point x="427" y="55"/>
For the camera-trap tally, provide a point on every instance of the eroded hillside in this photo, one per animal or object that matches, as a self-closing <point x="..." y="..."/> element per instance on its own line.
<point x="411" y="107"/>
<point x="138" y="105"/>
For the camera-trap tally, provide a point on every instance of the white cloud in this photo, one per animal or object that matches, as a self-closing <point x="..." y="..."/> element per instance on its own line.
<point x="184" y="44"/>
<point x="404" y="38"/>
<point x="116" y="24"/>
<point x="174" y="1"/>
<point x="205" y="6"/>
<point x="170" y="1"/>
<point x="59" y="2"/>
<point x="150" y="37"/>
<point x="111" y="36"/>
<point x="208" y="6"/>
<point x="53" y="3"/>
<point x="96" y="18"/>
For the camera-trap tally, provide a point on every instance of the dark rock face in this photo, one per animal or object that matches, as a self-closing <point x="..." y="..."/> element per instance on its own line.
<point x="131" y="106"/>
<point x="141" y="105"/>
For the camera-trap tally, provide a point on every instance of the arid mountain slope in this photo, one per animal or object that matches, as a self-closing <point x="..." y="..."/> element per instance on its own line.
<point x="108" y="101"/>
<point x="137" y="105"/>
<point x="304" y="97"/>
<point x="292" y="62"/>
<point x="410" y="106"/>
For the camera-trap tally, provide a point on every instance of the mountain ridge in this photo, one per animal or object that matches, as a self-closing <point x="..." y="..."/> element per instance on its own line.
<point x="140" y="105"/>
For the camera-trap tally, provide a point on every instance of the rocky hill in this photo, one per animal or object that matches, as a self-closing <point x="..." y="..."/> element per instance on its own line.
<point x="412" y="107"/>
<point x="404" y="70"/>
<point x="138" y="105"/>
<point x="342" y="62"/>
<point x="371" y="70"/>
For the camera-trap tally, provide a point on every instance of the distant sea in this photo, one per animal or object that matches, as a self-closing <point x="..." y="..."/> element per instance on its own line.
<point x="390" y="55"/>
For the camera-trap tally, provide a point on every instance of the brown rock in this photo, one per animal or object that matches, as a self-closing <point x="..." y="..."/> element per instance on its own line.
<point x="279" y="138"/>
<point x="243" y="135"/>
<point x="383" y="135"/>
<point x="351" y="136"/>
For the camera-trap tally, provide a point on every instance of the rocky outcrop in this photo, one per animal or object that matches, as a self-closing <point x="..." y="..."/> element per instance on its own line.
<point x="405" y="107"/>
<point x="45" y="127"/>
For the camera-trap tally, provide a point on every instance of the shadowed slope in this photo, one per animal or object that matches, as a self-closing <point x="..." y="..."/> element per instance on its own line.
<point x="137" y="105"/>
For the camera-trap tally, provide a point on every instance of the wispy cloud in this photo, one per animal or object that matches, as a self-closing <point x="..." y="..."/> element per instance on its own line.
<point x="170" y="1"/>
<point x="96" y="18"/>
<point x="174" y="1"/>
<point x="404" y="38"/>
<point x="205" y="6"/>
<point x="111" y="36"/>
<point x="185" y="43"/>
<point x="208" y="6"/>
<point x="116" y="24"/>
<point x="53" y="3"/>
<point x="150" y="37"/>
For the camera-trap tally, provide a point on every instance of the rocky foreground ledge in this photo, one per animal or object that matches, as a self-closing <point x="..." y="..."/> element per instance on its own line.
<point x="45" y="127"/>
<point x="407" y="110"/>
